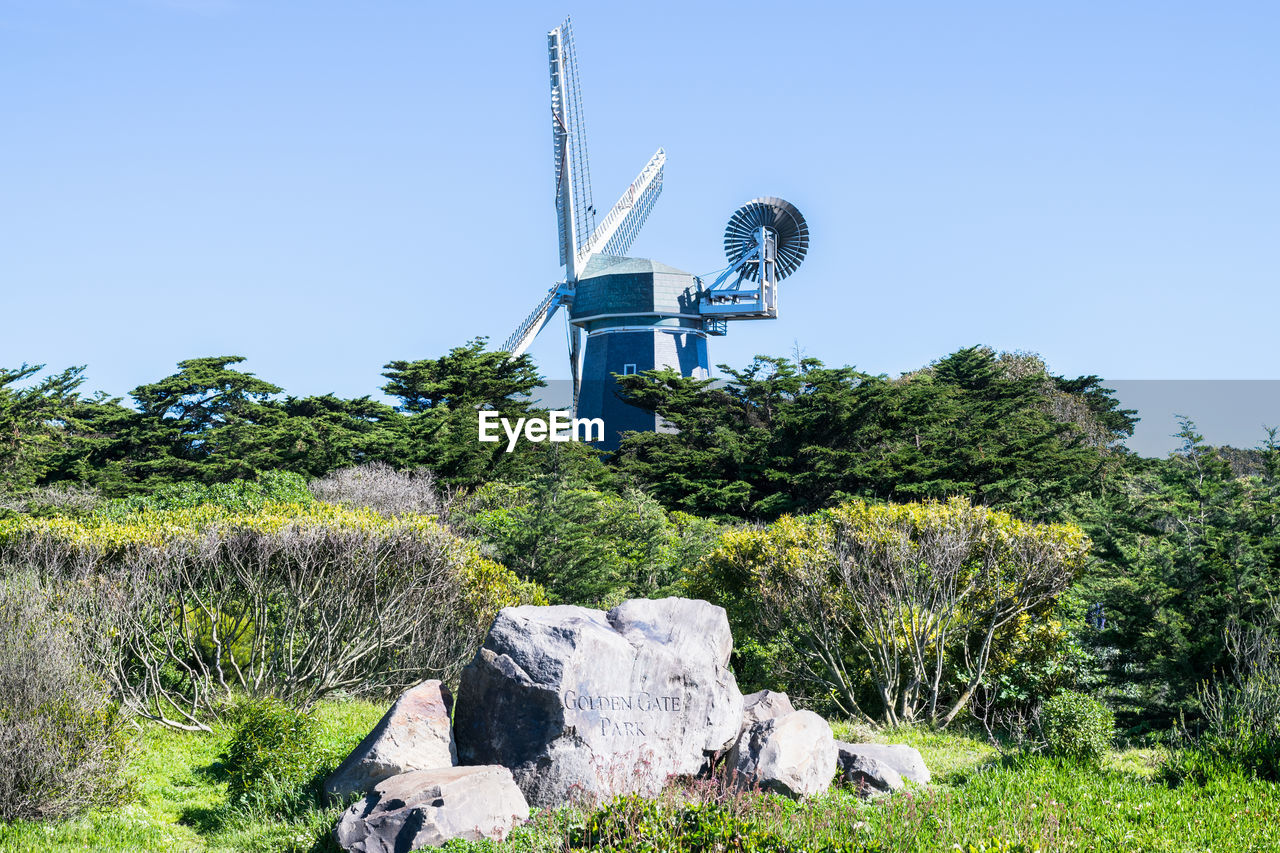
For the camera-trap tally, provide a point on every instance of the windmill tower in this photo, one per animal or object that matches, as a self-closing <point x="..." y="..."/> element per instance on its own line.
<point x="637" y="314"/>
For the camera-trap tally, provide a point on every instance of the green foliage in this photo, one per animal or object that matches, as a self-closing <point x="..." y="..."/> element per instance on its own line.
<point x="784" y="437"/>
<point x="632" y="824"/>
<point x="269" y="487"/>
<point x="182" y="803"/>
<point x="1236" y="727"/>
<point x="1016" y="806"/>
<point x="585" y="545"/>
<point x="442" y="399"/>
<point x="1077" y="726"/>
<point x="1043" y="659"/>
<point x="31" y="418"/>
<point x="1186" y="548"/>
<point x="1182" y="546"/>
<point x="271" y="759"/>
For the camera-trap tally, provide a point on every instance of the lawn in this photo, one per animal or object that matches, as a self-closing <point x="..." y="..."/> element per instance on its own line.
<point x="180" y="800"/>
<point x="976" y="799"/>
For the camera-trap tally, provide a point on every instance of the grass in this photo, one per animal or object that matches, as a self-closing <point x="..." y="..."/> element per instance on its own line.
<point x="180" y="803"/>
<point x="979" y="801"/>
<point x="976" y="799"/>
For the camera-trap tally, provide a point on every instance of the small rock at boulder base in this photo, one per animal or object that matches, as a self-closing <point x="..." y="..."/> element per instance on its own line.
<point x="581" y="704"/>
<point x="869" y="775"/>
<point x="426" y="808"/>
<point x="794" y="754"/>
<point x="764" y="705"/>
<point x="414" y="735"/>
<point x="906" y="760"/>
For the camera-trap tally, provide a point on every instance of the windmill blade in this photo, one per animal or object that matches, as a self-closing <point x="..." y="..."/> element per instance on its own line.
<point x="620" y="226"/>
<point x="534" y="323"/>
<point x="575" y="212"/>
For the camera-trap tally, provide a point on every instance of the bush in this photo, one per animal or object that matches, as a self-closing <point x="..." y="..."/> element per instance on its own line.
<point x="893" y="613"/>
<point x="270" y="487"/>
<point x="63" y="743"/>
<point x="583" y="545"/>
<point x="381" y="488"/>
<point x="193" y="607"/>
<point x="1239" y="714"/>
<point x="634" y="824"/>
<point x="1077" y="726"/>
<point x="272" y="759"/>
<point x="70" y="499"/>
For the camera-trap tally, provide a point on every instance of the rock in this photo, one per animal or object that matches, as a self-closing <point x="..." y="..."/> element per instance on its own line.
<point x="426" y="808"/>
<point x="582" y="704"/>
<point x="764" y="705"/>
<point x="869" y="775"/>
<point x="414" y="735"/>
<point x="794" y="754"/>
<point x="906" y="760"/>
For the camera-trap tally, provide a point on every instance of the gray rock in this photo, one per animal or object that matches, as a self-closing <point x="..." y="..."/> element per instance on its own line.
<point x="794" y="754"/>
<point x="764" y="705"/>
<point x="869" y="775"/>
<point x="582" y="704"/>
<point x="906" y="760"/>
<point x="426" y="808"/>
<point x="414" y="735"/>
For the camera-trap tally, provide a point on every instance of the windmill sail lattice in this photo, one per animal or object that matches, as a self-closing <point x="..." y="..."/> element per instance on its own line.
<point x="621" y="225"/>
<point x="574" y="208"/>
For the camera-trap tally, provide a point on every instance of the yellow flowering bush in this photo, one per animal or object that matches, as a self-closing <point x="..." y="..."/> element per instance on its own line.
<point x="194" y="606"/>
<point x="893" y="612"/>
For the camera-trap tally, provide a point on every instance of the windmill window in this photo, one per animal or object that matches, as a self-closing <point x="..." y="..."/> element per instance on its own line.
<point x="628" y="369"/>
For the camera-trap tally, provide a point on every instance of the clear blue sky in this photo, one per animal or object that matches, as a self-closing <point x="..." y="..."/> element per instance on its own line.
<point x="325" y="186"/>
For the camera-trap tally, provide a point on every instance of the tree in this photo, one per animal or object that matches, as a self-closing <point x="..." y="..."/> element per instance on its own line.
<point x="203" y="423"/>
<point x="1187" y="548"/>
<point x="321" y="434"/>
<point x="781" y="437"/>
<point x="31" y="422"/>
<point x="443" y="397"/>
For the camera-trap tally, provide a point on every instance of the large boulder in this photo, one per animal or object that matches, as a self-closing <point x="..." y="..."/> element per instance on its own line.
<point x="794" y="754"/>
<point x="764" y="705"/>
<point x="905" y="760"/>
<point x="426" y="808"/>
<point x="583" y="704"/>
<point x="414" y="735"/>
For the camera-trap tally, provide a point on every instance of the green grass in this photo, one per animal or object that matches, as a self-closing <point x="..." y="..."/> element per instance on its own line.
<point x="979" y="801"/>
<point x="976" y="799"/>
<point x="181" y="799"/>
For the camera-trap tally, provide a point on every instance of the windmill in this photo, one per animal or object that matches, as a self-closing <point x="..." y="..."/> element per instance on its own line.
<point x="636" y="314"/>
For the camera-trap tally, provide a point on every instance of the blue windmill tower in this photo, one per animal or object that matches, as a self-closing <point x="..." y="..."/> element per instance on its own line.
<point x="628" y="315"/>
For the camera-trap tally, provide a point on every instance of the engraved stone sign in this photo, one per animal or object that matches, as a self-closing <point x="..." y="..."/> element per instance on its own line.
<point x="583" y="704"/>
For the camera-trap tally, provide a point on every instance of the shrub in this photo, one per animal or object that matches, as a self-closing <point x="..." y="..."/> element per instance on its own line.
<point x="272" y="758"/>
<point x="381" y="488"/>
<point x="1239" y="713"/>
<point x="894" y="612"/>
<point x="270" y="487"/>
<point x="1077" y="726"/>
<point x="634" y="824"/>
<point x="63" y="743"/>
<point x="584" y="545"/>
<point x="192" y="607"/>
<point x="55" y="499"/>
